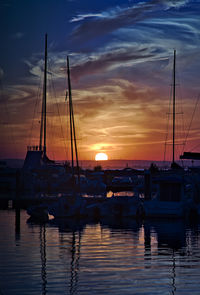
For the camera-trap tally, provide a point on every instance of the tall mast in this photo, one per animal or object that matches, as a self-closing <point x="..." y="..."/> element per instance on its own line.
<point x="174" y="97"/>
<point x="74" y="134"/>
<point x="43" y="112"/>
<point x="70" y="114"/>
<point x="72" y="126"/>
<point x="45" y="94"/>
<point x="41" y="125"/>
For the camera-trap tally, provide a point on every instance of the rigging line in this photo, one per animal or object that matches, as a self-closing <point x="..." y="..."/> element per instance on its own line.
<point x="74" y="133"/>
<point x="182" y="128"/>
<point x="196" y="146"/>
<point x="167" y="127"/>
<point x="171" y="102"/>
<point x="41" y="146"/>
<point x="67" y="131"/>
<point x="34" y="112"/>
<point x="61" y="125"/>
<point x="51" y="122"/>
<point x="195" y="107"/>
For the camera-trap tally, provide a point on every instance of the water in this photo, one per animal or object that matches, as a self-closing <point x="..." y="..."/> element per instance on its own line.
<point x="109" y="258"/>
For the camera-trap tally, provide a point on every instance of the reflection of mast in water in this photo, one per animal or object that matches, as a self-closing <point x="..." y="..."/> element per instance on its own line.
<point x="17" y="223"/>
<point x="17" y="207"/>
<point x="76" y="246"/>
<point x="173" y="273"/>
<point x="147" y="242"/>
<point x="43" y="258"/>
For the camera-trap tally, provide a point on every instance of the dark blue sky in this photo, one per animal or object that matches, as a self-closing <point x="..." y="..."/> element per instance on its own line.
<point x="121" y="54"/>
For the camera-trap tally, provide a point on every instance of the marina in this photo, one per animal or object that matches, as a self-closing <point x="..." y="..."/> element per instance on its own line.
<point x="99" y="149"/>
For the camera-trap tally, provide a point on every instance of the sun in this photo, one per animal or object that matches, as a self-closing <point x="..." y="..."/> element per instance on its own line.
<point x="101" y="157"/>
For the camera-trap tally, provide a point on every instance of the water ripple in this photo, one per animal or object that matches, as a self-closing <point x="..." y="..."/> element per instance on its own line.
<point x="108" y="258"/>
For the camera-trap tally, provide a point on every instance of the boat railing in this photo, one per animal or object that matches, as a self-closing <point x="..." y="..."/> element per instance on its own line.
<point x="35" y="148"/>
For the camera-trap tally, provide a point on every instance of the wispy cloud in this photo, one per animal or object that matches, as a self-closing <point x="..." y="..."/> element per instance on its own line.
<point x="81" y="17"/>
<point x="174" y="3"/>
<point x="108" y="60"/>
<point x="114" y="19"/>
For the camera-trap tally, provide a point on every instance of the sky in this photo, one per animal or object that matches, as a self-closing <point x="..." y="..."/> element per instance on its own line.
<point x="121" y="62"/>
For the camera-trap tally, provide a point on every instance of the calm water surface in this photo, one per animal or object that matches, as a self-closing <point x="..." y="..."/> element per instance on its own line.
<point x="109" y="258"/>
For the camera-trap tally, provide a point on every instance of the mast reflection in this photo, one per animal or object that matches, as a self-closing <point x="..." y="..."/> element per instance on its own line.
<point x="75" y="250"/>
<point x="173" y="272"/>
<point x="75" y="228"/>
<point x="171" y="239"/>
<point x="43" y="258"/>
<point x="147" y="241"/>
<point x="17" y="223"/>
<point x="17" y="212"/>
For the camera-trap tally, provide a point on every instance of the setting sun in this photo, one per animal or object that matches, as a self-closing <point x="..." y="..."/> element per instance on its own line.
<point x="101" y="157"/>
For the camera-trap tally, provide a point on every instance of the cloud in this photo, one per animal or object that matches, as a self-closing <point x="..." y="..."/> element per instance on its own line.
<point x="175" y="3"/>
<point x="81" y="17"/>
<point x="112" y="20"/>
<point x="84" y="66"/>
<point x="56" y="67"/>
<point x="107" y="61"/>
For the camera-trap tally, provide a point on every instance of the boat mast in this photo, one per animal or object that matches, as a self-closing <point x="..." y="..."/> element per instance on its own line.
<point x="41" y="124"/>
<point x="44" y="104"/>
<point x="70" y="114"/>
<point x="45" y="94"/>
<point x="174" y="97"/>
<point x="72" y="125"/>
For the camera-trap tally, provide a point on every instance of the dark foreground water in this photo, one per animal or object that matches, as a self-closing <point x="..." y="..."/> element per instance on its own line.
<point x="109" y="258"/>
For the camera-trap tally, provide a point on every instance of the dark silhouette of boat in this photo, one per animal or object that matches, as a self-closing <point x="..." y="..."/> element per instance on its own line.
<point x="171" y="193"/>
<point x="39" y="173"/>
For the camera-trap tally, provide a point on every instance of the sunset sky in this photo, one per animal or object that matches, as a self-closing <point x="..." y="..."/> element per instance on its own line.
<point x="121" y="57"/>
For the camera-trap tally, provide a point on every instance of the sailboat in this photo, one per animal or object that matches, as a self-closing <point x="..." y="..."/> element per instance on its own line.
<point x="37" y="155"/>
<point x="173" y="194"/>
<point x="72" y="205"/>
<point x="40" y="174"/>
